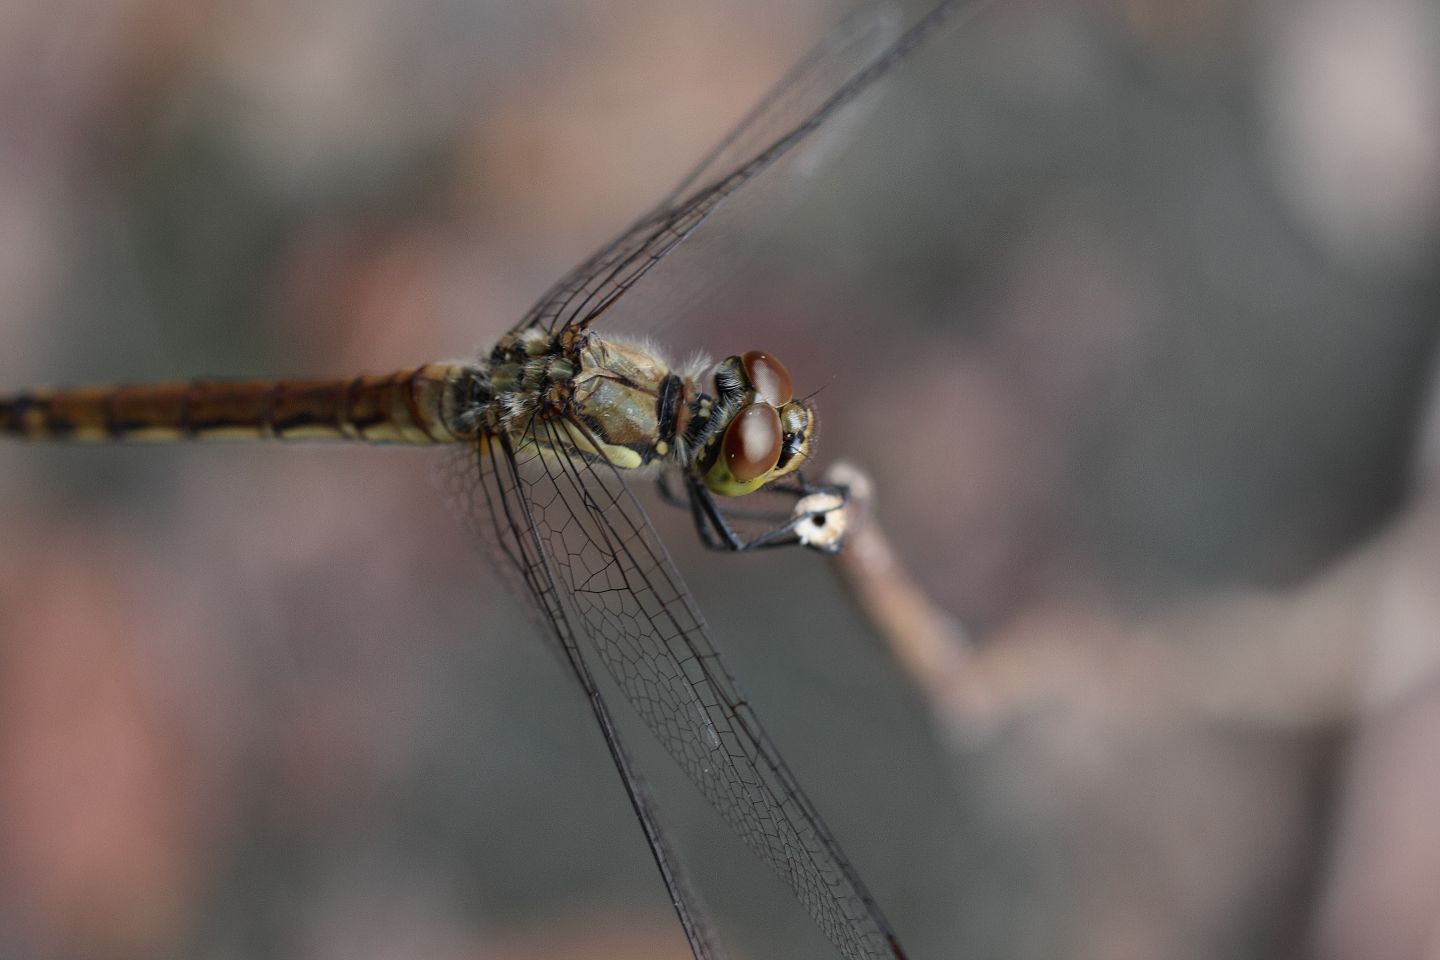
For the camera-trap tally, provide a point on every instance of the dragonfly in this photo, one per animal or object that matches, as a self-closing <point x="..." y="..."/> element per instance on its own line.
<point x="544" y="431"/>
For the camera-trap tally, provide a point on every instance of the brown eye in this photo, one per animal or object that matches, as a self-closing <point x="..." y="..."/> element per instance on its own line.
<point x="752" y="442"/>
<point x="769" y="376"/>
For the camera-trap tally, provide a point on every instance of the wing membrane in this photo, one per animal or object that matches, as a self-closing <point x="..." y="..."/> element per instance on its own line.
<point x="860" y="37"/>
<point x="588" y="291"/>
<point x="504" y="518"/>
<point x="620" y="590"/>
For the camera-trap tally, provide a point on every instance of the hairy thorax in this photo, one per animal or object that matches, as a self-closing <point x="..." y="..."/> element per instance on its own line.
<point x="618" y="400"/>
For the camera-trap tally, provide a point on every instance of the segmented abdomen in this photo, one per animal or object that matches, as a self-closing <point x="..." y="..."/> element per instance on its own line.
<point x="422" y="405"/>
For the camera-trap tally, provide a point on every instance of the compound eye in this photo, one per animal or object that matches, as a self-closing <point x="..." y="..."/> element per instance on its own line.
<point x="752" y="442"/>
<point x="769" y="377"/>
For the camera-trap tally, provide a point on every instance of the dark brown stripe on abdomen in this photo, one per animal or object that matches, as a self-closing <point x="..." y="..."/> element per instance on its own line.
<point x="418" y="406"/>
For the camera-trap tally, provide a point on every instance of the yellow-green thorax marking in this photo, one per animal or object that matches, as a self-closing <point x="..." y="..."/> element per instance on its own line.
<point x="624" y="403"/>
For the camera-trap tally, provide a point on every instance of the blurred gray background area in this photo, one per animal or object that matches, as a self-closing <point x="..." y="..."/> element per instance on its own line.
<point x="1129" y="308"/>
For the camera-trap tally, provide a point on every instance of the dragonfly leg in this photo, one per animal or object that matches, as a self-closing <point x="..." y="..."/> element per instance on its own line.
<point x="712" y="521"/>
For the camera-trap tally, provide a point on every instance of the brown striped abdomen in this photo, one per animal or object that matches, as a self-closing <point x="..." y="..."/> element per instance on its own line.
<point x="411" y="406"/>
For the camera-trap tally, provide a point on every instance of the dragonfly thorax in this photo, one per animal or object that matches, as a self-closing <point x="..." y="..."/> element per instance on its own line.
<point x="606" y="397"/>
<point x="625" y="403"/>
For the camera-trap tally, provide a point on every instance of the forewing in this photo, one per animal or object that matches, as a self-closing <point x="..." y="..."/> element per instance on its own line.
<point x="694" y="281"/>
<point x="614" y="577"/>
<point x="857" y="40"/>
<point x="826" y="81"/>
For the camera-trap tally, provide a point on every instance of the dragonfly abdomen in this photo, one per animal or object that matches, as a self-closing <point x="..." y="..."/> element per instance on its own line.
<point x="423" y="405"/>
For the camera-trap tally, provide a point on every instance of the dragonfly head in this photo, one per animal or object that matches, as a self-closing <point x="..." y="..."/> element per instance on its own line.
<point x="765" y="434"/>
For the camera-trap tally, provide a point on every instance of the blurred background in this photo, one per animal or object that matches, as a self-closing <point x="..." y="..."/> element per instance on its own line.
<point x="1128" y="307"/>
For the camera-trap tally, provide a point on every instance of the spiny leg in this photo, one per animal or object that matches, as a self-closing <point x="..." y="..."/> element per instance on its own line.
<point x="716" y="532"/>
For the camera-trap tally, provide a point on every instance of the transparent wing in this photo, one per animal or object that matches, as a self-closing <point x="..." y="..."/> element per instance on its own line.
<point x="693" y="280"/>
<point x="858" y="39"/>
<point x="485" y="485"/>
<point x="591" y="288"/>
<point x="598" y="570"/>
